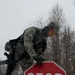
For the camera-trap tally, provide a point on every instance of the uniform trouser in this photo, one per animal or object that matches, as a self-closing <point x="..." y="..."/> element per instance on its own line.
<point x="25" y="63"/>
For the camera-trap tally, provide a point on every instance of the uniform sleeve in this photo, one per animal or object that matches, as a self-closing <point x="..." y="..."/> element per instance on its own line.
<point x="28" y="44"/>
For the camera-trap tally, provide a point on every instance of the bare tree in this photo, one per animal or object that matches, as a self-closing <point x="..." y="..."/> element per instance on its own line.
<point x="40" y="22"/>
<point x="61" y="47"/>
<point x="68" y="46"/>
<point x="57" y="16"/>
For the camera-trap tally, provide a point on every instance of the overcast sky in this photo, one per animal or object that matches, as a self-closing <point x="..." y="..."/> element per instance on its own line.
<point x="16" y="15"/>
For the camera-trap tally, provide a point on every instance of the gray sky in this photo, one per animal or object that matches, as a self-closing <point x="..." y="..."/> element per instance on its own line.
<point x="16" y="15"/>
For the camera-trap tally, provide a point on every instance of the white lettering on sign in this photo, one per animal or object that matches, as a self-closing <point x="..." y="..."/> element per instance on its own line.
<point x="43" y="74"/>
<point x="39" y="73"/>
<point x="30" y="74"/>
<point x="58" y="74"/>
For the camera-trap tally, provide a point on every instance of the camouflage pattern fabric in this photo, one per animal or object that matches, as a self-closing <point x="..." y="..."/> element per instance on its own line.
<point x="25" y="63"/>
<point x="31" y="36"/>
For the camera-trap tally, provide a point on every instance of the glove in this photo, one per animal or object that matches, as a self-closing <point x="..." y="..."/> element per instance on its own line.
<point x="39" y="59"/>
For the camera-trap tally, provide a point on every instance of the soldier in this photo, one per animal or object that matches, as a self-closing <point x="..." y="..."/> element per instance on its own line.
<point x="31" y="45"/>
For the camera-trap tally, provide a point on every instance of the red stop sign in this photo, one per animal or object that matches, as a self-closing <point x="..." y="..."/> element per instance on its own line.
<point x="48" y="68"/>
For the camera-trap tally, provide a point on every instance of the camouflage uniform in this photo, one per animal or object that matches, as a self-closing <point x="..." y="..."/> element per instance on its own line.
<point x="30" y="44"/>
<point x="27" y="46"/>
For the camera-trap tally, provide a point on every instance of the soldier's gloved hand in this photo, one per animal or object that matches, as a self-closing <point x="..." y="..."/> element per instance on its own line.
<point x="39" y="59"/>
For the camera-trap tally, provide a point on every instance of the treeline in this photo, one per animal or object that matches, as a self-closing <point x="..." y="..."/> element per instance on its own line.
<point x="61" y="47"/>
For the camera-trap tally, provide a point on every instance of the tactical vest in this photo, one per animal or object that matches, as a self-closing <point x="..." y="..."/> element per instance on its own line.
<point x="39" y="42"/>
